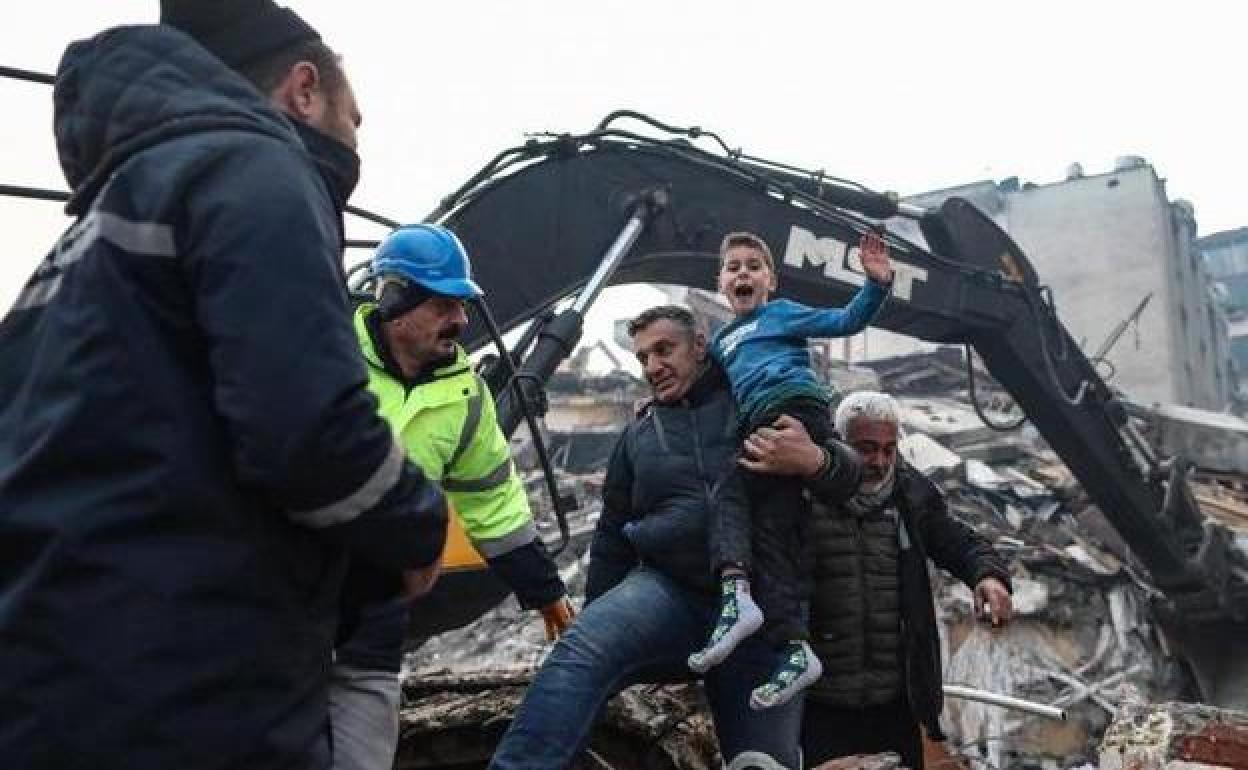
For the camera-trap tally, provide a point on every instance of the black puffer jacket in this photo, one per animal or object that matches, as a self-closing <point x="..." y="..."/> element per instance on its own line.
<point x="667" y="473"/>
<point x="930" y="532"/>
<point x="856" y="622"/>
<point x="668" y="485"/>
<point x="188" y="451"/>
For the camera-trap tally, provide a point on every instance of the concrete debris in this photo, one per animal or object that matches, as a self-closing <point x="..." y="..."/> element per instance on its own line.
<point x="886" y="761"/>
<point x="982" y="476"/>
<point x="1176" y="736"/>
<point x="1212" y="440"/>
<point x="945" y="420"/>
<point x="455" y="719"/>
<point x="927" y="455"/>
<point x="1224" y="498"/>
<point x="1084" y="638"/>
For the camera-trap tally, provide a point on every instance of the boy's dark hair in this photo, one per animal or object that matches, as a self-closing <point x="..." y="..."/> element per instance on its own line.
<point x="674" y="313"/>
<point x="732" y="240"/>
<point x="269" y="71"/>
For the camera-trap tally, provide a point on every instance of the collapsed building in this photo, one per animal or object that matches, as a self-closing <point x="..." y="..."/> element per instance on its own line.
<point x="1087" y="635"/>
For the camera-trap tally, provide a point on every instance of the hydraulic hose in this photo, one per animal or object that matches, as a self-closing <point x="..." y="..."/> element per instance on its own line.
<point x="543" y="457"/>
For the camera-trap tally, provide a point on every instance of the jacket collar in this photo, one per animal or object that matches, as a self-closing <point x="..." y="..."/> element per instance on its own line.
<point x="707" y="384"/>
<point x="337" y="163"/>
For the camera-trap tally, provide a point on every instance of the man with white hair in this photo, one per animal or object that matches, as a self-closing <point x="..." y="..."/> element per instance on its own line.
<point x="873" y="622"/>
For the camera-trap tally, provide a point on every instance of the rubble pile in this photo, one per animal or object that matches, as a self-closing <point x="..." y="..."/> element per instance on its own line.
<point x="1224" y="498"/>
<point x="1084" y="637"/>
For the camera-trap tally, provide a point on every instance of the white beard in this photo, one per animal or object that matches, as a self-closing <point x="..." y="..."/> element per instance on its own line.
<point x="871" y="487"/>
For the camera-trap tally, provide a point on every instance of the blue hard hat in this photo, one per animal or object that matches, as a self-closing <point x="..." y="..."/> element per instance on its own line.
<point x="430" y="256"/>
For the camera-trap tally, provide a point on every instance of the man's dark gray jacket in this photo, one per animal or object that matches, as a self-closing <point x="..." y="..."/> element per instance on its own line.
<point x="188" y="452"/>
<point x="668" y="485"/>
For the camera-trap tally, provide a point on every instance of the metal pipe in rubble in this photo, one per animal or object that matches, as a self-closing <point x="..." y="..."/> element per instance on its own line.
<point x="1005" y="701"/>
<point x="559" y="338"/>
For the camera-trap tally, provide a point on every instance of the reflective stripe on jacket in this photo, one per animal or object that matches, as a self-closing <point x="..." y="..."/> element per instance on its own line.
<point x="450" y="429"/>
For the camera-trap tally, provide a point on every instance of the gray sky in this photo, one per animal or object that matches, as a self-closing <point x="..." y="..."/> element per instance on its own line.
<point x="908" y="96"/>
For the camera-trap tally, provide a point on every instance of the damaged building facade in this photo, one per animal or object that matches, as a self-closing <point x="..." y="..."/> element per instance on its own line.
<point x="1226" y="259"/>
<point x="1114" y="247"/>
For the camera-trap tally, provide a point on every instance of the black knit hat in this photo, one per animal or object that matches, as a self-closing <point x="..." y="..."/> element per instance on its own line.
<point x="237" y="31"/>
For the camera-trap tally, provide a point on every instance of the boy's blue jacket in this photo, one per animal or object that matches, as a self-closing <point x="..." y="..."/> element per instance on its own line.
<point x="764" y="351"/>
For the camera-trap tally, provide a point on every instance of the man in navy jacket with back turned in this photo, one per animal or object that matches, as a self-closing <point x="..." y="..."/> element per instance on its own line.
<point x="188" y="452"/>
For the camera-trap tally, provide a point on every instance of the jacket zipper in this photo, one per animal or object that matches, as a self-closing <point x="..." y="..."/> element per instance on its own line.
<point x="697" y="456"/>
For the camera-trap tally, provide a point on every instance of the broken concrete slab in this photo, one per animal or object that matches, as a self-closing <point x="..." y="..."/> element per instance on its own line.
<point x="1211" y="440"/>
<point x="927" y="455"/>
<point x="981" y="475"/>
<point x="886" y="761"/>
<point x="1001" y="449"/>
<point x="1172" y="736"/>
<point x="1100" y="562"/>
<point x="945" y="420"/>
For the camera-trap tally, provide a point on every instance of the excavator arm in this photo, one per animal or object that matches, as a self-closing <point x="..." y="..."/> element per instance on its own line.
<point x="539" y="220"/>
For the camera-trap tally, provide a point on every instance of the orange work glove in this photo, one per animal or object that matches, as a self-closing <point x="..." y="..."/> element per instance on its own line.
<point x="558" y="616"/>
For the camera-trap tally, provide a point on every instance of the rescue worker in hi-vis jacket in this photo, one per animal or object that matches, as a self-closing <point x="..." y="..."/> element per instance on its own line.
<point x="443" y="414"/>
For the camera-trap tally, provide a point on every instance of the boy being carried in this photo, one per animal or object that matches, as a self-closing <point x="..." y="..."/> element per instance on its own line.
<point x="764" y="352"/>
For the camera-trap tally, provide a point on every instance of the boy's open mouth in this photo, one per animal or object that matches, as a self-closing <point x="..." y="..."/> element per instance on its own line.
<point x="744" y="290"/>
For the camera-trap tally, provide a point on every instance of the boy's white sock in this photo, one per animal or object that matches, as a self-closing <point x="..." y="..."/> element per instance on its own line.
<point x="739" y="617"/>
<point x="799" y="670"/>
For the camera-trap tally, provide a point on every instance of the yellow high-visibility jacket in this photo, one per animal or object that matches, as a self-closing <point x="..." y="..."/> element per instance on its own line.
<point x="449" y="428"/>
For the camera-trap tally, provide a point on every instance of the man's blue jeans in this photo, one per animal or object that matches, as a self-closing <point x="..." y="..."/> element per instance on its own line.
<point x="644" y="625"/>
